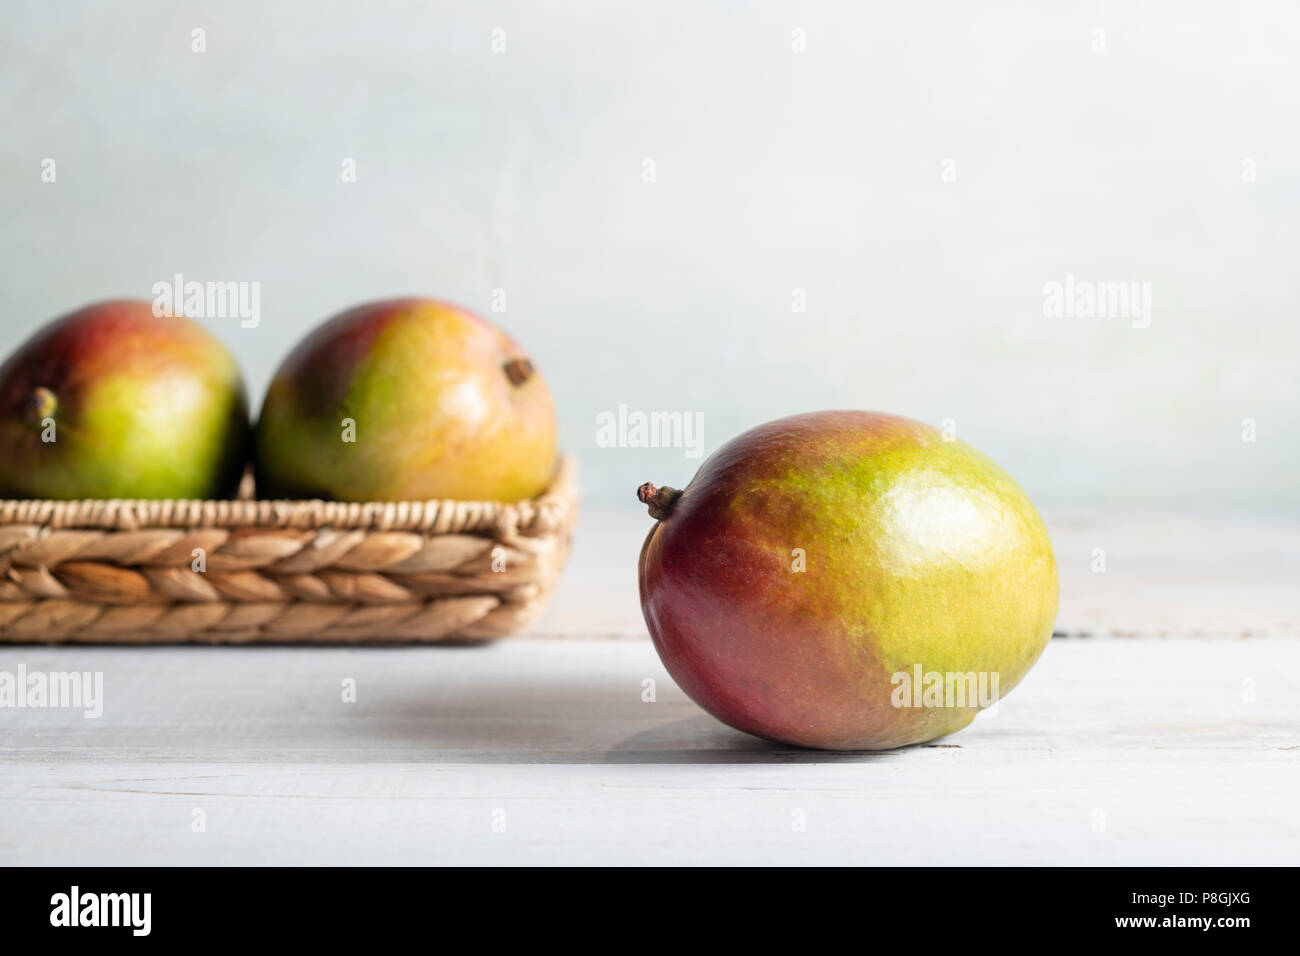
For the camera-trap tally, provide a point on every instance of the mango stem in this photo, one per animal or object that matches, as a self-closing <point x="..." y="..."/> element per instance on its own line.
<point x="41" y="404"/>
<point x="660" y="500"/>
<point x="519" y="370"/>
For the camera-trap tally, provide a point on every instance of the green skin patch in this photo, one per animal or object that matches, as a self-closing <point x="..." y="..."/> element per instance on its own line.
<point x="167" y="438"/>
<point x="932" y="541"/>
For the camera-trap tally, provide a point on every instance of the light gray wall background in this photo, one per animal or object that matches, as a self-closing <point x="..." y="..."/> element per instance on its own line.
<point x="1110" y="141"/>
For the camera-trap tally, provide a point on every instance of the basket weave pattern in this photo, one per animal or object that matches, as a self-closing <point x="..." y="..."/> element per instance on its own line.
<point x="279" y="571"/>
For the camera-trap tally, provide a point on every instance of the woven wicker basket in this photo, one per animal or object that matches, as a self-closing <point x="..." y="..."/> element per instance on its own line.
<point x="124" y="572"/>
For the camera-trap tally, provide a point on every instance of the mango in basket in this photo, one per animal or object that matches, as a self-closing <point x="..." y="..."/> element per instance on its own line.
<point x="406" y="399"/>
<point x="113" y="401"/>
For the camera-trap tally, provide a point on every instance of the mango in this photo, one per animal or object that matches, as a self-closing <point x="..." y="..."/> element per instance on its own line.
<point x="847" y="580"/>
<point x="113" y="401"/>
<point x="406" y="399"/>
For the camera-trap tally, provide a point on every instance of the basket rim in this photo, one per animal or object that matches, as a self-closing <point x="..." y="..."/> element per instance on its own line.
<point x="548" y="512"/>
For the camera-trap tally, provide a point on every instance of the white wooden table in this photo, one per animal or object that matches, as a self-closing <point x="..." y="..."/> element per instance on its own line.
<point x="1178" y="743"/>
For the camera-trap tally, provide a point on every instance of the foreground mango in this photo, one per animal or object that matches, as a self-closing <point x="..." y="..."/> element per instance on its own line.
<point x="847" y="580"/>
